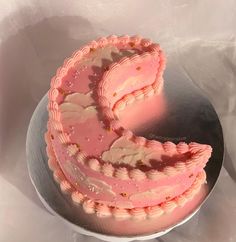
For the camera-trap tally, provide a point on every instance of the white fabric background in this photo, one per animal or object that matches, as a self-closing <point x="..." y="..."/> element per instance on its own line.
<point x="35" y="37"/>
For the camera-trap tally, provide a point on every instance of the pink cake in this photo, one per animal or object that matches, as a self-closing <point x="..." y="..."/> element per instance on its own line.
<point x="97" y="101"/>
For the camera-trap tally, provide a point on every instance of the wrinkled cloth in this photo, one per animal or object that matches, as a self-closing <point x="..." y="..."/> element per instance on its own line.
<point x="35" y="38"/>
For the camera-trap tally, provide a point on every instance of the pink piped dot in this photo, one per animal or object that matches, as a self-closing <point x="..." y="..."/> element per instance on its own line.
<point x="140" y="140"/>
<point x="136" y="39"/>
<point x="112" y="39"/>
<point x="124" y="39"/>
<point x="127" y="133"/>
<point x="93" y="44"/>
<point x="77" y="197"/>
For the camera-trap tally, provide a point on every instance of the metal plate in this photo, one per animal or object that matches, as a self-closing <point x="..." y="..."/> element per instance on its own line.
<point x="189" y="116"/>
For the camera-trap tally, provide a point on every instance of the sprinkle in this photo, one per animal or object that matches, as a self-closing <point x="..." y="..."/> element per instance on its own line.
<point x="132" y="44"/>
<point x="138" y="68"/>
<point x="139" y="163"/>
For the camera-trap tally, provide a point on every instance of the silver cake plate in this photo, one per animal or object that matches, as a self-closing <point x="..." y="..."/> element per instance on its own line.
<point x="189" y="116"/>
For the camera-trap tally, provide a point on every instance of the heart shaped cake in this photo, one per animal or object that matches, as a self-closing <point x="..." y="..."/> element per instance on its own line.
<point x="93" y="150"/>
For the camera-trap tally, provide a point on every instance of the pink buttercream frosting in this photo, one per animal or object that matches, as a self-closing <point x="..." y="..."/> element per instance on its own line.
<point x="94" y="152"/>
